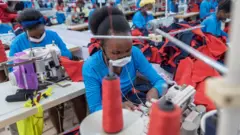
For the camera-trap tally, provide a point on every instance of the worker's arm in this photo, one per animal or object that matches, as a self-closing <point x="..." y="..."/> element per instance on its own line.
<point x="137" y="21"/>
<point x="93" y="89"/>
<point x="146" y="69"/>
<point x="62" y="46"/>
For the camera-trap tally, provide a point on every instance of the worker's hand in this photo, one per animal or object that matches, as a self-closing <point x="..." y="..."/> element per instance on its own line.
<point x="152" y="93"/>
<point x="128" y="105"/>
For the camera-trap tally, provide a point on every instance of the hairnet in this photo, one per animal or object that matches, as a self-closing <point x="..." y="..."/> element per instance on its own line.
<point x="145" y="2"/>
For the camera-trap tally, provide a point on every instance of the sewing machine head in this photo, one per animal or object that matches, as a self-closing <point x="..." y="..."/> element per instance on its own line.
<point x="36" y="66"/>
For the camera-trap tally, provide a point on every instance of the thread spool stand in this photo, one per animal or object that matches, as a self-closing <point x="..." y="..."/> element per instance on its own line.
<point x="92" y="125"/>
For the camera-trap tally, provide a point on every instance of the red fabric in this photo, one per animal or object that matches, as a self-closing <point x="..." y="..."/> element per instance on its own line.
<point x="73" y="68"/>
<point x="155" y="55"/>
<point x="6" y="17"/>
<point x="3" y="56"/>
<point x="202" y="99"/>
<point x="136" y="32"/>
<point x="194" y="7"/>
<point x="184" y="72"/>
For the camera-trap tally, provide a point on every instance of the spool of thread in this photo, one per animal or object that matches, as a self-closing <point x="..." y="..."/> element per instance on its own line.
<point x="164" y="119"/>
<point x="112" y="105"/>
<point x="3" y="56"/>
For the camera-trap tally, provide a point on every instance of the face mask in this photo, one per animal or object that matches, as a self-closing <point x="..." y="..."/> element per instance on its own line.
<point x="227" y="20"/>
<point x="35" y="40"/>
<point x="121" y="62"/>
<point x="149" y="12"/>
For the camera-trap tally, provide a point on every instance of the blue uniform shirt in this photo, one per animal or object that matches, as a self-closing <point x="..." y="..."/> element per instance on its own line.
<point x="5" y="28"/>
<point x="172" y="7"/>
<point x="213" y="26"/>
<point x="140" y="21"/>
<point x="138" y="3"/>
<point x="95" y="69"/>
<point x="205" y="8"/>
<point x="214" y="4"/>
<point x="21" y="43"/>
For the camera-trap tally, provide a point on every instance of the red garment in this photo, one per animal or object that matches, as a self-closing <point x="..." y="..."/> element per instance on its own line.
<point x="93" y="46"/>
<point x="184" y="72"/>
<point x="73" y="68"/>
<point x="136" y="32"/>
<point x="3" y="56"/>
<point x="6" y="17"/>
<point x="202" y="99"/>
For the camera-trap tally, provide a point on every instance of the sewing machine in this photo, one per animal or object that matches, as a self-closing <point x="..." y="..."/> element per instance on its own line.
<point x="183" y="96"/>
<point x="35" y="68"/>
<point x="157" y="23"/>
<point x="128" y="5"/>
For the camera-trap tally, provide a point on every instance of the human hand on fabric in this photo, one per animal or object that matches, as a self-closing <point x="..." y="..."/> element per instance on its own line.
<point x="128" y="105"/>
<point x="152" y="93"/>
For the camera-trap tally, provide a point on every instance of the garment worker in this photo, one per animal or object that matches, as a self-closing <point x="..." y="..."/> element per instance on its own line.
<point x="127" y="61"/>
<point x="7" y="15"/>
<point x="213" y="23"/>
<point x="35" y="35"/>
<point x="60" y="6"/>
<point x="205" y="9"/>
<point x="144" y="14"/>
<point x="173" y="6"/>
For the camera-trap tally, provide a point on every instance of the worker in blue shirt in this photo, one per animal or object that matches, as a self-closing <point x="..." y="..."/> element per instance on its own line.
<point x="173" y="6"/>
<point x="144" y="14"/>
<point x="213" y="23"/>
<point x="35" y="35"/>
<point x="126" y="60"/>
<point x="205" y="9"/>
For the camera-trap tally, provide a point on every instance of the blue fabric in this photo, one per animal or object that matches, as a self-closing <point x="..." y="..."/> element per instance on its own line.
<point x="214" y="4"/>
<point x="140" y="21"/>
<point x="138" y="3"/>
<point x="213" y="26"/>
<point x="21" y="43"/>
<point x="117" y="2"/>
<point x="172" y="6"/>
<point x="205" y="8"/>
<point x="4" y="28"/>
<point x="60" y="17"/>
<point x="28" y="4"/>
<point x="95" y="69"/>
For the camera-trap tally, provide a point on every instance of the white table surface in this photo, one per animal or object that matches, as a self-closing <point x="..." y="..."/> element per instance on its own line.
<point x="15" y="111"/>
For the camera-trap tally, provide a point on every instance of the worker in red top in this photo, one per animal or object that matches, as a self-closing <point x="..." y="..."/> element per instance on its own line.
<point x="60" y="5"/>
<point x="7" y="15"/>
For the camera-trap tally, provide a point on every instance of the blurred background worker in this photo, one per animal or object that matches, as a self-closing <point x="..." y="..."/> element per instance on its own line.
<point x="144" y="14"/>
<point x="173" y="6"/>
<point x="205" y="9"/>
<point x="7" y="15"/>
<point x="60" y="6"/>
<point x="35" y="35"/>
<point x="213" y="23"/>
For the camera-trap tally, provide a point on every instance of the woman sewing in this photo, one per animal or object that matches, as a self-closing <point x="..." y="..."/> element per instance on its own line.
<point x="127" y="61"/>
<point x="35" y="35"/>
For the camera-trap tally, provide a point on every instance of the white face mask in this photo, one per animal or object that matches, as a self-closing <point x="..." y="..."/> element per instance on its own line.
<point x="35" y="40"/>
<point x="121" y="62"/>
<point x="150" y="12"/>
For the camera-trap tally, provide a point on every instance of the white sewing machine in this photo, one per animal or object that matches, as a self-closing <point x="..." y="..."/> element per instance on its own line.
<point x="35" y="67"/>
